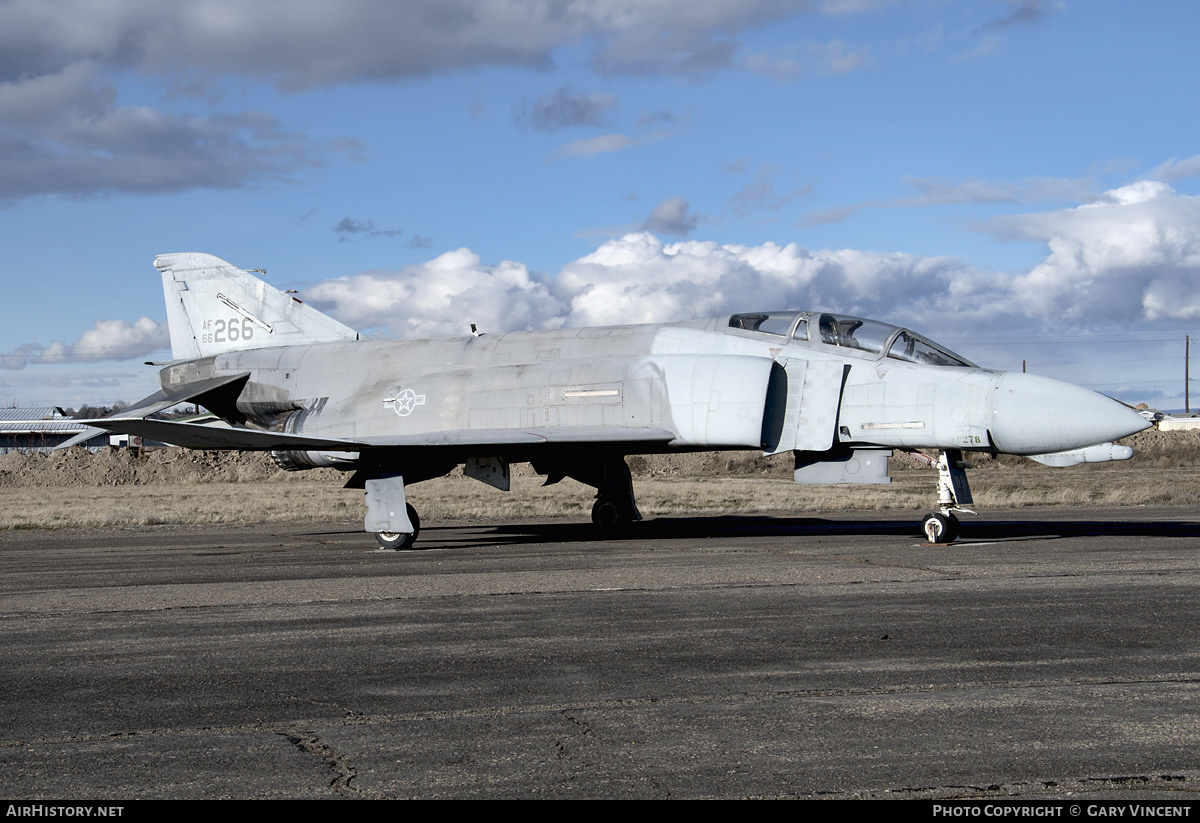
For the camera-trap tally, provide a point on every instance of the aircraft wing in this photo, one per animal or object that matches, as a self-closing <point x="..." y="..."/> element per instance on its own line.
<point x="198" y="436"/>
<point x="532" y="436"/>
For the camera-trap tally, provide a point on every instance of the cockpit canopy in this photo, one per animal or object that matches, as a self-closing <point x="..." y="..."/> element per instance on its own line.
<point x="856" y="333"/>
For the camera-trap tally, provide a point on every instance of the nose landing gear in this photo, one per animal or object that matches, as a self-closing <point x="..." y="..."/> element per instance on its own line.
<point x="942" y="526"/>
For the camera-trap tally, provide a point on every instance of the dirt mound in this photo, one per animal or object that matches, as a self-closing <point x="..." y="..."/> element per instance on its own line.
<point x="121" y="467"/>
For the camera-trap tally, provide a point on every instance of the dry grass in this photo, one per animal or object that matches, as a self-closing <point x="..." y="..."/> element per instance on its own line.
<point x="458" y="498"/>
<point x="64" y="507"/>
<point x="115" y="488"/>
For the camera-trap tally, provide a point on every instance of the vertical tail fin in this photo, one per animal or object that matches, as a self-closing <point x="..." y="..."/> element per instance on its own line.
<point x="214" y="307"/>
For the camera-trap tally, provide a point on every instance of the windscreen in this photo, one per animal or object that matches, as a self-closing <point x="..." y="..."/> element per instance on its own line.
<point x="914" y="348"/>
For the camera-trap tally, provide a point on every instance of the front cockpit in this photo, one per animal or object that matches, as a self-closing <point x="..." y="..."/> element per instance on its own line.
<point x="854" y="333"/>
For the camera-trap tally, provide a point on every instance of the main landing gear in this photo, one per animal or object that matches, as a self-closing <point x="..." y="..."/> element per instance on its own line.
<point x="396" y="541"/>
<point x="614" y="509"/>
<point x="609" y="515"/>
<point x="389" y="516"/>
<point x="942" y="526"/>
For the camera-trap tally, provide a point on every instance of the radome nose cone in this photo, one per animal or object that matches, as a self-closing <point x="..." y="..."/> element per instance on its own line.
<point x="1037" y="415"/>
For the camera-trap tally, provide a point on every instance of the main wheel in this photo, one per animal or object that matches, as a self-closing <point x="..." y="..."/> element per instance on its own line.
<point x="940" y="528"/>
<point x="607" y="515"/>
<point x="396" y="541"/>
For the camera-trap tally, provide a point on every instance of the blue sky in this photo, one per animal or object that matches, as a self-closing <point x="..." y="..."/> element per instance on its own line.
<point x="1016" y="179"/>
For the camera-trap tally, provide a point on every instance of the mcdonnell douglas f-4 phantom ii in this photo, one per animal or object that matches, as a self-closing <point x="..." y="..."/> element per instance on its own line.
<point x="838" y="392"/>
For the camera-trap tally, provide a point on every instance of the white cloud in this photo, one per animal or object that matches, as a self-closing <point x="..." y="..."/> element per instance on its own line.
<point x="639" y="279"/>
<point x="111" y="338"/>
<point x="443" y="296"/>
<point x="106" y="340"/>
<point x="1134" y="255"/>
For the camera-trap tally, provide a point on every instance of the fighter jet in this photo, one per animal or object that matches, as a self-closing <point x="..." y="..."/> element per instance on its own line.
<point x="840" y="393"/>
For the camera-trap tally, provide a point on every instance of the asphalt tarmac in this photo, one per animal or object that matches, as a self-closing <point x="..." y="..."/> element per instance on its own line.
<point x="1049" y="653"/>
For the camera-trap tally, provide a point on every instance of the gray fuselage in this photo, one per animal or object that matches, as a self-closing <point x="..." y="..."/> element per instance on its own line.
<point x="712" y="384"/>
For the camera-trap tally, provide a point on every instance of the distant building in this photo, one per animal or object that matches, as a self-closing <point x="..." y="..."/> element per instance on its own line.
<point x="1178" y="423"/>
<point x="40" y="429"/>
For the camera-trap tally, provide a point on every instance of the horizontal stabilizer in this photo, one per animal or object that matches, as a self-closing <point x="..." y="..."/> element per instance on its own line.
<point x="1100" y="453"/>
<point x="199" y="436"/>
<point x="83" y="437"/>
<point x="197" y="391"/>
<point x="185" y="393"/>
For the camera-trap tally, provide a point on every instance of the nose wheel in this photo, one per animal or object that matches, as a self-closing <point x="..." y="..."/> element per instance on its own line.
<point x="941" y="528"/>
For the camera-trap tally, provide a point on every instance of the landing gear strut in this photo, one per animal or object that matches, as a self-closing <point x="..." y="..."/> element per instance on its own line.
<point x="614" y="508"/>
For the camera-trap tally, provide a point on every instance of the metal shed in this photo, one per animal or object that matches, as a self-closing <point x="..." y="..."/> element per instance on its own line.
<point x="41" y="428"/>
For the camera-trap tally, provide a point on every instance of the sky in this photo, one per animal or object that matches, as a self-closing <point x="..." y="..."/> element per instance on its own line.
<point x="1017" y="179"/>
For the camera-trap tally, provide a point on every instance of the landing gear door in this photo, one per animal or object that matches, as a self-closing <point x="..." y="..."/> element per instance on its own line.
<point x="806" y="420"/>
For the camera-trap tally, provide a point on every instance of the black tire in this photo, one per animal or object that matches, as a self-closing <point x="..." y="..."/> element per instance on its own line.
<point x="940" y="528"/>
<point x="955" y="529"/>
<point x="607" y="515"/>
<point x="397" y="541"/>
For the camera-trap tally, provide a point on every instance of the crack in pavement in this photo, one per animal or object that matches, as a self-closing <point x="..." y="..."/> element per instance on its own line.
<point x="560" y="744"/>
<point x="344" y="772"/>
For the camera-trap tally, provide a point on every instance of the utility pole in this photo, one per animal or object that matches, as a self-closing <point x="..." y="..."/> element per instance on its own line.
<point x="1187" y="383"/>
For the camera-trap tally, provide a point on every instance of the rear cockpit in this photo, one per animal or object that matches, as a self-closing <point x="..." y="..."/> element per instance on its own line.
<point x="855" y="333"/>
